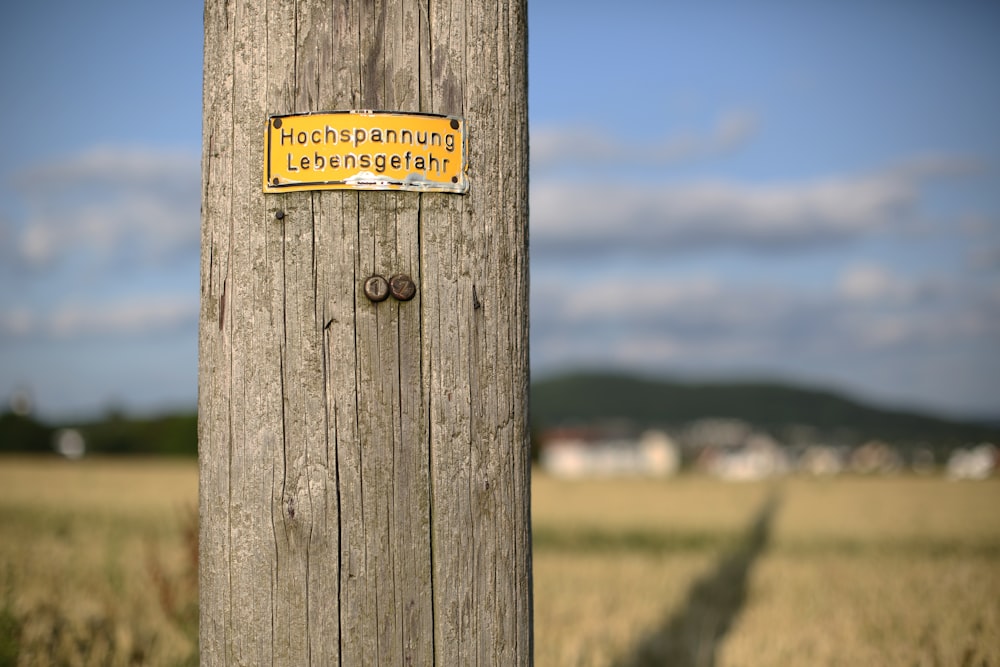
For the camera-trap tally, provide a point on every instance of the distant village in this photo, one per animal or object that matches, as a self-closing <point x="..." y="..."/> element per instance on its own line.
<point x="731" y="449"/>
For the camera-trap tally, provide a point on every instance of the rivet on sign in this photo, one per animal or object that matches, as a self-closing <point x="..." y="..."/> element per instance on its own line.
<point x="454" y="124"/>
<point x="376" y="289"/>
<point x="280" y="215"/>
<point x="402" y="287"/>
<point x="277" y="122"/>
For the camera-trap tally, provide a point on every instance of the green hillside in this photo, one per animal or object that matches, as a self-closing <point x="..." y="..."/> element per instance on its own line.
<point x="584" y="398"/>
<point x="598" y="397"/>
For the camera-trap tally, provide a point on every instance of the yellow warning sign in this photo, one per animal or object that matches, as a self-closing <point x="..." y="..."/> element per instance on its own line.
<point x="365" y="150"/>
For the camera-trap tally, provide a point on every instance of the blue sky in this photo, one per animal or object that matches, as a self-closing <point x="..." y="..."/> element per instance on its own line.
<point x="796" y="190"/>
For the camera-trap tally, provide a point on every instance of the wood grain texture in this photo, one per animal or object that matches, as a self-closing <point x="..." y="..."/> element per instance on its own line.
<point x="364" y="467"/>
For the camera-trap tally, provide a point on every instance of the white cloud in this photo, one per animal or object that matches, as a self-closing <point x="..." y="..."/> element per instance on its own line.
<point x="706" y="321"/>
<point x="575" y="217"/>
<point x="917" y="330"/>
<point x="871" y="282"/>
<point x="114" y="166"/>
<point x="630" y="297"/>
<point x="598" y="146"/>
<point x="615" y="319"/>
<point x="17" y="323"/>
<point x="986" y="258"/>
<point x="136" y="317"/>
<point x="582" y="217"/>
<point x="110" y="205"/>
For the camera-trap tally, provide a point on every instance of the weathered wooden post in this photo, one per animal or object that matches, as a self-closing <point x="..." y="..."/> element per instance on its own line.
<point x="364" y="463"/>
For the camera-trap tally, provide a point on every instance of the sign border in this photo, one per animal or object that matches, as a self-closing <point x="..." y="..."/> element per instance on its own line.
<point x="376" y="183"/>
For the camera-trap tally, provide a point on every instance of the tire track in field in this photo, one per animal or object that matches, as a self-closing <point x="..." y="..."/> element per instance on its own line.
<point x="692" y="636"/>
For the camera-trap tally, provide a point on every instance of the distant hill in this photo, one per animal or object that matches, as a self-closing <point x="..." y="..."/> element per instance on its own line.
<point x="601" y="397"/>
<point x="584" y="398"/>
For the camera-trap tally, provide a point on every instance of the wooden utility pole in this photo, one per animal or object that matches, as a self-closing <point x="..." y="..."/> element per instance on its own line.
<point x="364" y="494"/>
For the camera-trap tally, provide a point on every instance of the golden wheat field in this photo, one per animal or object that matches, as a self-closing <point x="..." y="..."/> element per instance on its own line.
<point x="97" y="567"/>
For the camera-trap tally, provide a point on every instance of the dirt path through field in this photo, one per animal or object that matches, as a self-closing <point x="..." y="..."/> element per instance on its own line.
<point x="692" y="636"/>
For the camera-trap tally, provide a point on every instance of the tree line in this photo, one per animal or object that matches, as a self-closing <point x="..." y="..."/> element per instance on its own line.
<point x="166" y="435"/>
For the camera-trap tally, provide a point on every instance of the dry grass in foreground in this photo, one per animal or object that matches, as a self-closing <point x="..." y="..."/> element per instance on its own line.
<point x="96" y="569"/>
<point x="696" y="572"/>
<point x="96" y="562"/>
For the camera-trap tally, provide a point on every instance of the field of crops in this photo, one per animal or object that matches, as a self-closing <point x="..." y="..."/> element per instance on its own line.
<point x="97" y="568"/>
<point x="890" y="571"/>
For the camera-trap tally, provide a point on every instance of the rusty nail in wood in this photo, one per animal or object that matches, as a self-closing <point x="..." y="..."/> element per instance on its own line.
<point x="376" y="289"/>
<point x="402" y="287"/>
